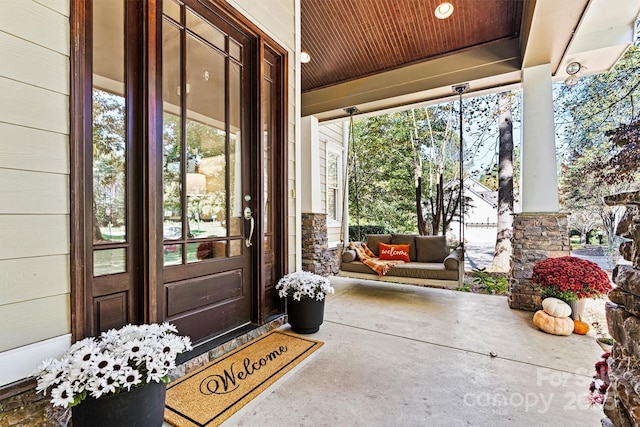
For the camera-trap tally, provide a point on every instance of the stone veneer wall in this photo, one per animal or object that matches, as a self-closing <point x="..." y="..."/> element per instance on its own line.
<point x="31" y="409"/>
<point x="622" y="404"/>
<point x="316" y="255"/>
<point x="536" y="236"/>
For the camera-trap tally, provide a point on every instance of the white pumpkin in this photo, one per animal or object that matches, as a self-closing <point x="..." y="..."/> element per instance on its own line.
<point x="553" y="325"/>
<point x="556" y="308"/>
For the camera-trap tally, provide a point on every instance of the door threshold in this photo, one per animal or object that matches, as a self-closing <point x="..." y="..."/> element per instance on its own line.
<point x="240" y="334"/>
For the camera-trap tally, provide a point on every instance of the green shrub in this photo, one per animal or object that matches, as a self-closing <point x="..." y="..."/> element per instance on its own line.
<point x="365" y="230"/>
<point x="464" y="288"/>
<point x="490" y="283"/>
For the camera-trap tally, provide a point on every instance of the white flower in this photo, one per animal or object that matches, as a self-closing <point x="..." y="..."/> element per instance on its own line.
<point x="62" y="395"/>
<point x="155" y="370"/>
<point x="117" y="361"/>
<point x="133" y="348"/>
<point x="303" y="285"/>
<point x="131" y="378"/>
<point x="50" y="372"/>
<point x="84" y="350"/>
<point x="168" y="327"/>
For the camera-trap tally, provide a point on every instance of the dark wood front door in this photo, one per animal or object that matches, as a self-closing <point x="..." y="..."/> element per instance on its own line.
<point x="209" y="193"/>
<point x="178" y="167"/>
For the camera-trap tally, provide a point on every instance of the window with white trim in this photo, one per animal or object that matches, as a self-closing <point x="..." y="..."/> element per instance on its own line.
<point x="334" y="202"/>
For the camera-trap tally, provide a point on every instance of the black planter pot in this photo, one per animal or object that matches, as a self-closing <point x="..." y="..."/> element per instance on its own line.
<point x="140" y="407"/>
<point x="306" y="315"/>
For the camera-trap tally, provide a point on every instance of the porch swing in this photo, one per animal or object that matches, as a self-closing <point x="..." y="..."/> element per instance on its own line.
<point x="401" y="258"/>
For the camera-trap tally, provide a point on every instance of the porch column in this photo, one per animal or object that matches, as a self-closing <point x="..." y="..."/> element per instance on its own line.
<point x="310" y="185"/>
<point x="540" y="231"/>
<point x="315" y="241"/>
<point x="539" y="182"/>
<point x="345" y="184"/>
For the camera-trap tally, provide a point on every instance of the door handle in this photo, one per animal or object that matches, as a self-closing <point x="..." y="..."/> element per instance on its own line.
<point x="248" y="216"/>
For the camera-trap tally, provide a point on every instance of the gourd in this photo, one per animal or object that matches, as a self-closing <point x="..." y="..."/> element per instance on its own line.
<point x="553" y="325"/>
<point x="556" y="308"/>
<point x="580" y="327"/>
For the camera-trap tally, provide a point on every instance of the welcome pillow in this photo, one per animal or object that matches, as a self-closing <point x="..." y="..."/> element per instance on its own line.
<point x="394" y="252"/>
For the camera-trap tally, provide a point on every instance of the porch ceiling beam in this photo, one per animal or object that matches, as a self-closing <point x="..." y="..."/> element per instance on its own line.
<point x="423" y="81"/>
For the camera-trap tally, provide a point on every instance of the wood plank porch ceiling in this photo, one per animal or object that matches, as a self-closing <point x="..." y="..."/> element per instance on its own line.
<point x="350" y="39"/>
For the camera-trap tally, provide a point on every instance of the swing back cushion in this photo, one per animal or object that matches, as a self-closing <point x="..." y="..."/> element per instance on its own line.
<point x="431" y="248"/>
<point x="374" y="240"/>
<point x="394" y="252"/>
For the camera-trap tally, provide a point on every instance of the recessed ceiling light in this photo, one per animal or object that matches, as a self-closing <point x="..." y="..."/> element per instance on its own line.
<point x="305" y="57"/>
<point x="573" y="68"/>
<point x="444" y="10"/>
<point x="572" y="80"/>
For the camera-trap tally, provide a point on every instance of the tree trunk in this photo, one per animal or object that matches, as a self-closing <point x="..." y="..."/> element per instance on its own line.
<point x="502" y="256"/>
<point x="422" y="224"/>
<point x="442" y="211"/>
<point x="435" y="212"/>
<point x="438" y="213"/>
<point x="97" y="233"/>
<point x="451" y="210"/>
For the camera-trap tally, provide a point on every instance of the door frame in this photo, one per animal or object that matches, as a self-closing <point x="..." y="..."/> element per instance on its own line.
<point x="146" y="92"/>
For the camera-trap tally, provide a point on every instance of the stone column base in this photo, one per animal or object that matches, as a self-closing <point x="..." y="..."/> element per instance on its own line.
<point x="316" y="255"/>
<point x="536" y="236"/>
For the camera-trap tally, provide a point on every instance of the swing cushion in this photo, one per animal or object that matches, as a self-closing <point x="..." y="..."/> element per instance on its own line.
<point x="431" y="248"/>
<point x="374" y="240"/>
<point x="349" y="255"/>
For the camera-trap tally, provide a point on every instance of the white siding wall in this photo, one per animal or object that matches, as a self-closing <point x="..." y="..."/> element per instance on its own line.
<point x="330" y="136"/>
<point x="34" y="183"/>
<point x="277" y="18"/>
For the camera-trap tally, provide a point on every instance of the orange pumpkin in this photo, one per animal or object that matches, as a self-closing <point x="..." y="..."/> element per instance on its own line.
<point x="580" y="327"/>
<point x="553" y="325"/>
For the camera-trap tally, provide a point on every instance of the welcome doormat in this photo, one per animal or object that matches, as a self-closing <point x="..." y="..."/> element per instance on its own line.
<point x="210" y="395"/>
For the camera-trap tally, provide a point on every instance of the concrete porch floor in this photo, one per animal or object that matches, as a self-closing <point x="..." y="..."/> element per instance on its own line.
<point x="397" y="355"/>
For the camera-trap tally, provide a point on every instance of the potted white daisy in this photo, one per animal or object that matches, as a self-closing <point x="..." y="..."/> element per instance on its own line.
<point x="121" y="373"/>
<point x="305" y="293"/>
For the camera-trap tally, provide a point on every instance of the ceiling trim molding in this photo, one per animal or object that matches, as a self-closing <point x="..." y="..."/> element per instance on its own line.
<point x="487" y="61"/>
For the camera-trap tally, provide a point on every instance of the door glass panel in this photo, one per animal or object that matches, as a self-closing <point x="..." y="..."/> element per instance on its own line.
<point x="171" y="9"/>
<point x="109" y="261"/>
<point x="206" y="185"/>
<point x="172" y="254"/>
<point x="205" y="30"/>
<point x="267" y="135"/>
<point x="203" y="160"/>
<point x="235" y="152"/>
<point x="109" y="124"/>
<point x="171" y="136"/>
<point x="206" y="250"/>
<point x="235" y="50"/>
<point x="235" y="247"/>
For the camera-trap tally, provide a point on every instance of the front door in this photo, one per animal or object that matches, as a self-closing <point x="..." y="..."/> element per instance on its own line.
<point x="178" y="167"/>
<point x="208" y="189"/>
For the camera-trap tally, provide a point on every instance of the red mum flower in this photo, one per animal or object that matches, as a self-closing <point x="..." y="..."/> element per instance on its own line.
<point x="570" y="278"/>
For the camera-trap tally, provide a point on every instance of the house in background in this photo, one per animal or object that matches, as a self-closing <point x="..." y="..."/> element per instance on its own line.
<point x="481" y="217"/>
<point x="166" y="160"/>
